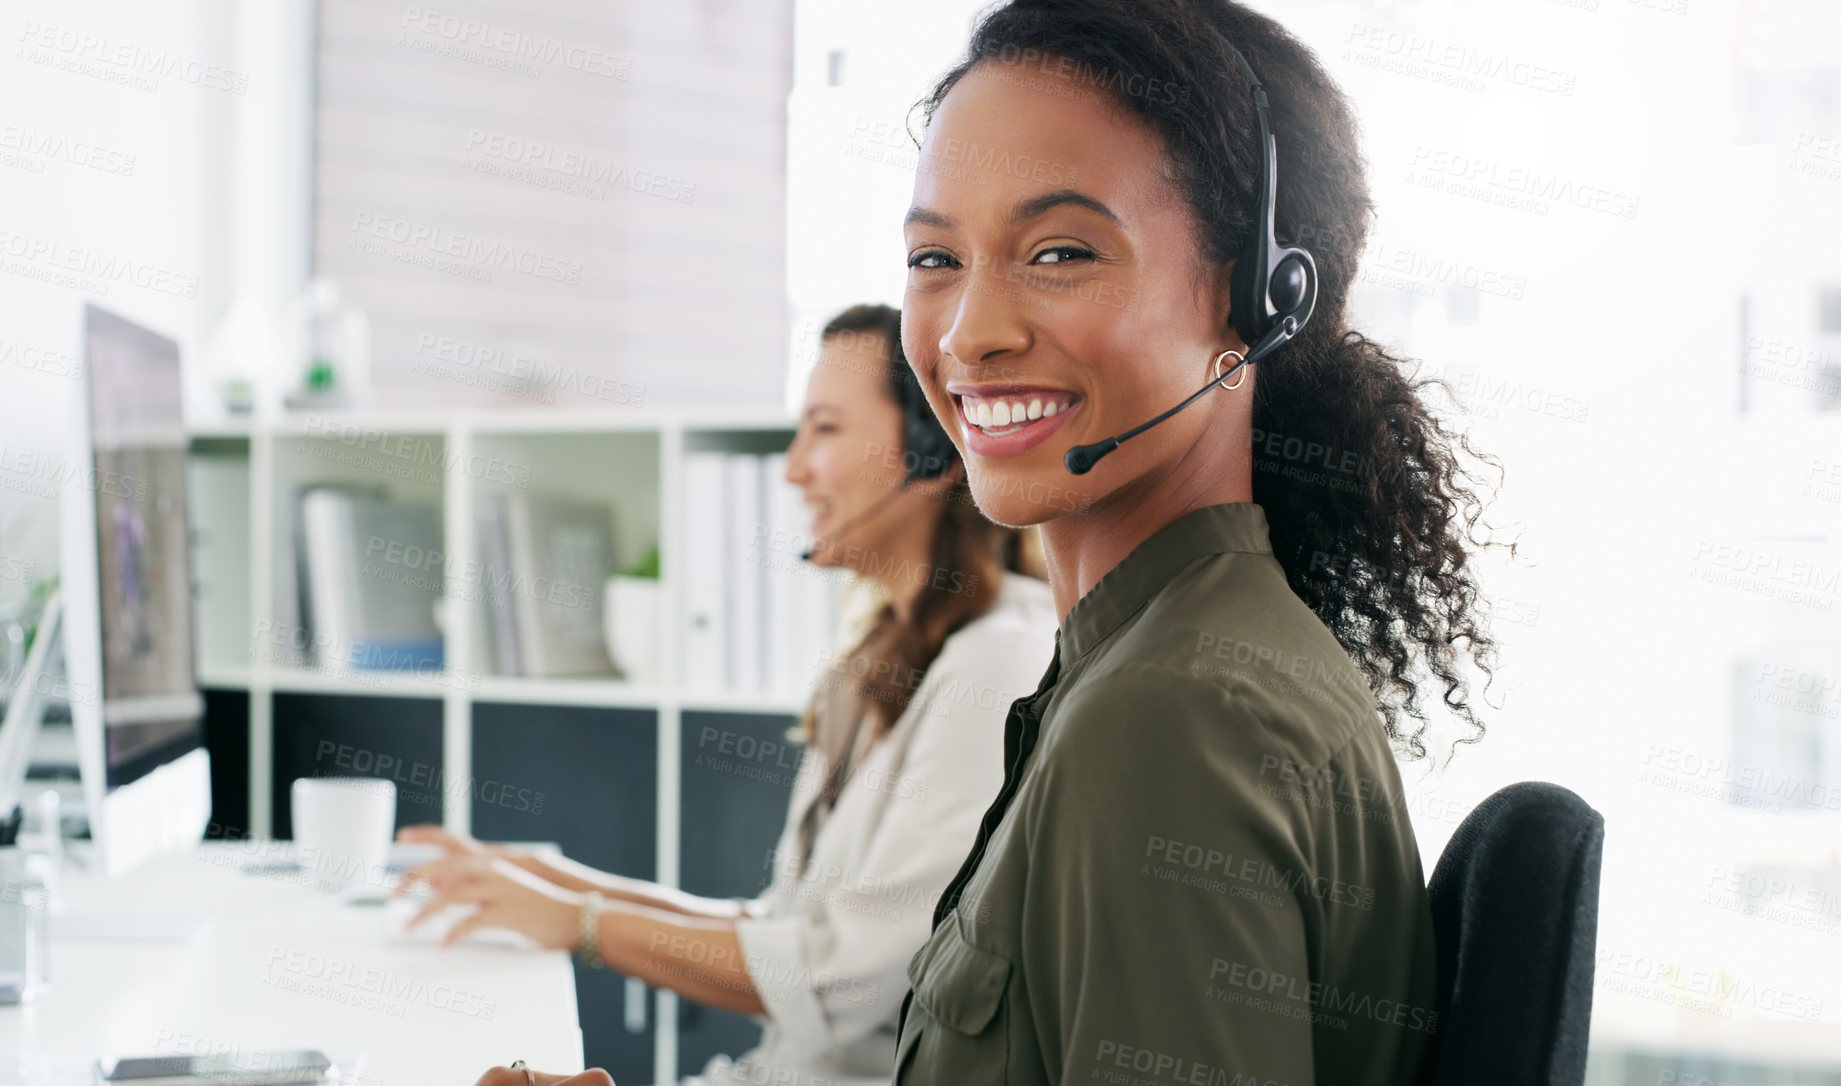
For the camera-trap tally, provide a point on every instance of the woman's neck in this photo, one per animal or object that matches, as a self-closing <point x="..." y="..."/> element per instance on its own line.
<point x="1080" y="548"/>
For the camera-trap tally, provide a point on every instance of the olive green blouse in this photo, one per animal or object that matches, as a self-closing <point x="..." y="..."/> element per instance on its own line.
<point x="1199" y="870"/>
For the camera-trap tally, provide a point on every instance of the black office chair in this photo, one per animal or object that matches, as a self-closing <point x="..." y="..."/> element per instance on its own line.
<point x="1515" y="908"/>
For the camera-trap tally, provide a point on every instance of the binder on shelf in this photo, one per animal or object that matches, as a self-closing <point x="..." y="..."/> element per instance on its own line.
<point x="297" y="632"/>
<point x="217" y="490"/>
<point x="370" y="587"/>
<point x="745" y="573"/>
<point x="495" y="559"/>
<point x="706" y="638"/>
<point x="292" y="643"/>
<point x="823" y="602"/>
<point x="789" y="579"/>
<point x="800" y="596"/>
<point x="548" y="576"/>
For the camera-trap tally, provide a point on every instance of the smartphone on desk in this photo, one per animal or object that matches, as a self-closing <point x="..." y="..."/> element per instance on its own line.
<point x="255" y="1069"/>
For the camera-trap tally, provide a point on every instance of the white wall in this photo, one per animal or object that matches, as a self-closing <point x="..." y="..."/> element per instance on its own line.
<point x="115" y="170"/>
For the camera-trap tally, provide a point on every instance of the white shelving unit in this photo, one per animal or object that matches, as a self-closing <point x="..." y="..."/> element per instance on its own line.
<point x="630" y="461"/>
<point x="244" y="475"/>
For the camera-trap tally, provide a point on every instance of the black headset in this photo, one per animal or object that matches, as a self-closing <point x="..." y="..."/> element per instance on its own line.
<point x="925" y="448"/>
<point x="1273" y="291"/>
<point x="1273" y="286"/>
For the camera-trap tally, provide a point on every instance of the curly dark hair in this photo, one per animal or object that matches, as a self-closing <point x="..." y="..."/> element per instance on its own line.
<point x="1372" y="509"/>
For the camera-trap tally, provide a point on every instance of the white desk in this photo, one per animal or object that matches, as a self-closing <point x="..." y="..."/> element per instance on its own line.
<point x="282" y="966"/>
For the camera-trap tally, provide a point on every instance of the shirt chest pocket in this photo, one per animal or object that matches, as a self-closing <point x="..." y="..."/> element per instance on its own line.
<point x="961" y="989"/>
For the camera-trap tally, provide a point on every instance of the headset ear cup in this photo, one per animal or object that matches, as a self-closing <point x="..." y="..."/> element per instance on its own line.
<point x="1244" y="296"/>
<point x="1293" y="289"/>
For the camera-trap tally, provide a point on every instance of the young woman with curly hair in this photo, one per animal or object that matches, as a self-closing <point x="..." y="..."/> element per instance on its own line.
<point x="1200" y="866"/>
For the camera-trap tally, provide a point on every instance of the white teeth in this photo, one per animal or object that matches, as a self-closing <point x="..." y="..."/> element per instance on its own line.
<point x="997" y="414"/>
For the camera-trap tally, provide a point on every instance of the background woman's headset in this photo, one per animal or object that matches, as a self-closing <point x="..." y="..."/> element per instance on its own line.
<point x="926" y="451"/>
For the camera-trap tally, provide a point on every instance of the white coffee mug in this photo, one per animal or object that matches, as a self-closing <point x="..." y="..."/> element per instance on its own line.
<point x="342" y="830"/>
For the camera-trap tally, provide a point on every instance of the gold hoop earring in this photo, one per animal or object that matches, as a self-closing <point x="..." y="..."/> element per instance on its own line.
<point x="1243" y="373"/>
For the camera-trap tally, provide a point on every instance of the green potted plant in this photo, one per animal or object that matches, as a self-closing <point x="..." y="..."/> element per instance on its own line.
<point x="630" y="611"/>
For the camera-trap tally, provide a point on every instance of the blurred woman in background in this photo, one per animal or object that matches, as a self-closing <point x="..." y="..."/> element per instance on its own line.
<point x="905" y="752"/>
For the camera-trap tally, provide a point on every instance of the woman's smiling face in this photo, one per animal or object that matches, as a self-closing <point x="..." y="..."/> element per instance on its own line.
<point x="1056" y="296"/>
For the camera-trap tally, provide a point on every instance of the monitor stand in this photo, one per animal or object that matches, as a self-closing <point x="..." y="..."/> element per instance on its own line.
<point x="18" y="733"/>
<point x="25" y="711"/>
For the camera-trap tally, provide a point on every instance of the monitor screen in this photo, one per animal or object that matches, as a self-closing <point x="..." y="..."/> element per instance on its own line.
<point x="152" y="713"/>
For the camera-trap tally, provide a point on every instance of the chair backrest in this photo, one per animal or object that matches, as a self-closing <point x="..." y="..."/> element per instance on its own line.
<point x="1515" y="908"/>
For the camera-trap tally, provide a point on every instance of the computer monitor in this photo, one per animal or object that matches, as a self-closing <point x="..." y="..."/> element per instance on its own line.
<point x="126" y="588"/>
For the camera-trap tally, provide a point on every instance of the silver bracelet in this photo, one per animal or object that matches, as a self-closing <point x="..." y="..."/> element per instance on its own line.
<point x="588" y="951"/>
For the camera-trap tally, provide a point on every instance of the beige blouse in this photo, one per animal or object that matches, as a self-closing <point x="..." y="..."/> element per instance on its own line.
<point x="828" y="944"/>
